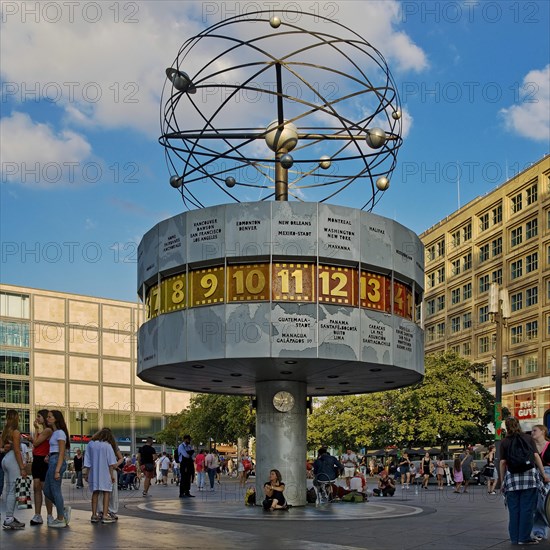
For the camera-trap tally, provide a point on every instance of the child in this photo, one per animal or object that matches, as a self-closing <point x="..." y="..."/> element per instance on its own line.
<point x="99" y="462"/>
<point x="457" y="474"/>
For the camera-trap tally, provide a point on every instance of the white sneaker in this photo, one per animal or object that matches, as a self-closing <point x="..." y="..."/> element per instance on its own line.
<point x="57" y="524"/>
<point x="49" y="520"/>
<point x="37" y="520"/>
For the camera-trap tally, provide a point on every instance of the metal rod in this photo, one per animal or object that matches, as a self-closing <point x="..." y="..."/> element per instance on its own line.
<point x="281" y="178"/>
<point x="280" y="114"/>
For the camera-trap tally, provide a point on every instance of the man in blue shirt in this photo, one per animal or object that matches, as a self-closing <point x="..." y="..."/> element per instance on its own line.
<point x="185" y="454"/>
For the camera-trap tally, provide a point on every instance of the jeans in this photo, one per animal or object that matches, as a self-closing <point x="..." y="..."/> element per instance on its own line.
<point x="521" y="507"/>
<point x="539" y="524"/>
<point x="79" y="479"/>
<point x="1" y="481"/>
<point x="52" y="487"/>
<point x="11" y="473"/>
<point x="200" y="480"/>
<point x="212" y="476"/>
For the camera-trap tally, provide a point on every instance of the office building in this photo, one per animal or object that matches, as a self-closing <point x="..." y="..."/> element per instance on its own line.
<point x="502" y="237"/>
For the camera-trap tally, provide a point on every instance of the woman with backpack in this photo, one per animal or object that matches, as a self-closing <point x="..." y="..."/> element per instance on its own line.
<point x="519" y="463"/>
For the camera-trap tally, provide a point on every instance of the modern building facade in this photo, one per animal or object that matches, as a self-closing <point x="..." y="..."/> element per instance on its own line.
<point x="502" y="237"/>
<point x="78" y="354"/>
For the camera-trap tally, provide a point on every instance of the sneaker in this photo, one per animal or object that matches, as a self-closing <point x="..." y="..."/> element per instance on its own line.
<point x="530" y="541"/>
<point x="94" y="519"/>
<point x="57" y="524"/>
<point x="49" y="520"/>
<point x="13" y="524"/>
<point x="67" y="514"/>
<point x="37" y="520"/>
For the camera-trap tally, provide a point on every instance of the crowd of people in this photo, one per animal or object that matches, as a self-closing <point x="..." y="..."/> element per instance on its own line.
<point x="106" y="472"/>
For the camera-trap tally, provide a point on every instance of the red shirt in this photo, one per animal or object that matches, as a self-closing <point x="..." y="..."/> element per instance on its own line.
<point x="43" y="449"/>
<point x="199" y="462"/>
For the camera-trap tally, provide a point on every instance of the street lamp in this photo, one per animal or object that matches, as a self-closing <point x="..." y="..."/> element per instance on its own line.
<point x="499" y="310"/>
<point x="81" y="416"/>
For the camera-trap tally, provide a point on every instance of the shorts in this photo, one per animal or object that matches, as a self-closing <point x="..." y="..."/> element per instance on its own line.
<point x="164" y="472"/>
<point x="349" y="471"/>
<point x="148" y="470"/>
<point x="39" y="468"/>
<point x="467" y="474"/>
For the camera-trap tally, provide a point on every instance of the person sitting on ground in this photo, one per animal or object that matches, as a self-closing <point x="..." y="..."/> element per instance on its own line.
<point x="386" y="485"/>
<point x="273" y="490"/>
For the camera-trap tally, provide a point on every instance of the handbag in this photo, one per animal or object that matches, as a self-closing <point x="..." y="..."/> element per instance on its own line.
<point x="23" y="493"/>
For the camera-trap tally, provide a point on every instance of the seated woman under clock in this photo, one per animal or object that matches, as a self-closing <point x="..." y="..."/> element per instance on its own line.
<point x="273" y="490"/>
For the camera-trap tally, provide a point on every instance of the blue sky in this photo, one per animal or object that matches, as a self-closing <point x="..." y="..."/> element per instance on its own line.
<point x="83" y="176"/>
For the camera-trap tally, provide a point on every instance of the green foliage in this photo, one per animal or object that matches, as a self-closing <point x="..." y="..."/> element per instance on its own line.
<point x="222" y="418"/>
<point x="449" y="405"/>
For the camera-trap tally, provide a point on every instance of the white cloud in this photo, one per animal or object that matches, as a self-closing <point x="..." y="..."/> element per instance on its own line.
<point x="34" y="153"/>
<point x="531" y="117"/>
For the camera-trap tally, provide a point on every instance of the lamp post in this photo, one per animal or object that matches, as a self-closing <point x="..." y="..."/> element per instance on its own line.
<point x="499" y="310"/>
<point x="81" y="417"/>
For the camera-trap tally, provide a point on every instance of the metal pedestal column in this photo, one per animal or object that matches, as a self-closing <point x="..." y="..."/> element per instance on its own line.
<point x="281" y="440"/>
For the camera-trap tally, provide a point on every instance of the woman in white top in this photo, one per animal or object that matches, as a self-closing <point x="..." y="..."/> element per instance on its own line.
<point x="13" y="466"/>
<point x="59" y="445"/>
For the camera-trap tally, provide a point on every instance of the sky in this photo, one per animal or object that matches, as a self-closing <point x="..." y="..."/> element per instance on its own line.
<point x="83" y="176"/>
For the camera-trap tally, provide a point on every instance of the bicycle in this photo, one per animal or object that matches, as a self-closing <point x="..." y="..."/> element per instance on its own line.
<point x="324" y="490"/>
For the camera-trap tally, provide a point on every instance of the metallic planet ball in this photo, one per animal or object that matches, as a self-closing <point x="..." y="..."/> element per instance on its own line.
<point x="230" y="181"/>
<point x="396" y="115"/>
<point x="284" y="138"/>
<point x="325" y="162"/>
<point x="376" y="137"/>
<point x="287" y="161"/>
<point x="275" y="22"/>
<point x="382" y="183"/>
<point x="176" y="181"/>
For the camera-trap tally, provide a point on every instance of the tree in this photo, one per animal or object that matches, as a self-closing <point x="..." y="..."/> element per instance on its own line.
<point x="221" y="418"/>
<point x="448" y="405"/>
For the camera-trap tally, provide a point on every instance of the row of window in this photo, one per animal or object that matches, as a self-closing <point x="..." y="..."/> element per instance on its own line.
<point x="14" y="391"/>
<point x="489" y="219"/>
<point x="15" y="305"/>
<point x="14" y="362"/>
<point x="14" y="334"/>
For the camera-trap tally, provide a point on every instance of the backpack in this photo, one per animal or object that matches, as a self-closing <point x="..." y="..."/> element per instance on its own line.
<point x="250" y="497"/>
<point x="247" y="465"/>
<point x="311" y="496"/>
<point x="521" y="456"/>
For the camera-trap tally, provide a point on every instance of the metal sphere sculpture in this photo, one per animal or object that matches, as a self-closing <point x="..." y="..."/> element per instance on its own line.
<point x="237" y="101"/>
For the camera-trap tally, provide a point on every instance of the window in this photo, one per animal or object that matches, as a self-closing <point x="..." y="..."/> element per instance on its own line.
<point x="467" y="348"/>
<point x="467" y="320"/>
<point x="467" y="262"/>
<point x="440" y="330"/>
<point x="455" y="267"/>
<point x="531" y="364"/>
<point x="516" y="236"/>
<point x="531" y="330"/>
<point x="455" y="237"/>
<point x="496" y="245"/>
<point x="483" y="314"/>
<point x="531" y="194"/>
<point x="441" y="248"/>
<point x="14" y="334"/>
<point x="483" y="283"/>
<point x="14" y="305"/>
<point x="484" y="253"/>
<point x="484" y="222"/>
<point x="497" y="214"/>
<point x="455" y="296"/>
<point x="516" y="334"/>
<point x="516" y="368"/>
<point x="516" y="301"/>
<point x="441" y="275"/>
<point x="440" y="303"/>
<point x="548" y="219"/>
<point x="496" y="276"/>
<point x="455" y="349"/>
<point x="532" y="262"/>
<point x="430" y="279"/>
<point x="483" y="374"/>
<point x="14" y="362"/>
<point x="430" y="252"/>
<point x="455" y="324"/>
<point x="430" y="334"/>
<point x="467" y="232"/>
<point x="532" y="296"/>
<point x="531" y="229"/>
<point x="14" y="391"/>
<point x="430" y="307"/>
<point x="483" y="344"/>
<point x="516" y="203"/>
<point x="516" y="269"/>
<point x="467" y="291"/>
